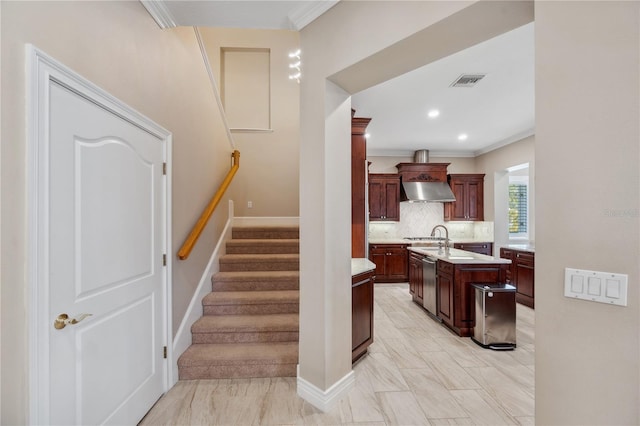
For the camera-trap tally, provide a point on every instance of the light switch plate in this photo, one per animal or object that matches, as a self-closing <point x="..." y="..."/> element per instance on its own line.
<point x="595" y="286"/>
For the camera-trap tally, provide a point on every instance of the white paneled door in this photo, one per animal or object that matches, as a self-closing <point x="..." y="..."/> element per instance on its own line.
<point x="101" y="280"/>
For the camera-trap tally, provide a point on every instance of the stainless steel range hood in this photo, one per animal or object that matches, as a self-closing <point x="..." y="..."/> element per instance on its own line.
<point x="423" y="181"/>
<point x="426" y="192"/>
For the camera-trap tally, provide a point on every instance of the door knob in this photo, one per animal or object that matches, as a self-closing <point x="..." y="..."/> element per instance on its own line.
<point x="63" y="320"/>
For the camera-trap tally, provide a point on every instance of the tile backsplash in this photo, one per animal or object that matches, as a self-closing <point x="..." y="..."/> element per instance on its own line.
<point x="418" y="219"/>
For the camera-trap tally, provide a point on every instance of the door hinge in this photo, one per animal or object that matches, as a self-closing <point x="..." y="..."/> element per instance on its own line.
<point x="164" y="352"/>
<point x="164" y="168"/>
<point x="164" y="260"/>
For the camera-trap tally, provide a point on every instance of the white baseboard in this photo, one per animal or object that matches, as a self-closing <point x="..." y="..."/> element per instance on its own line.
<point x="182" y="340"/>
<point x="266" y="221"/>
<point x="325" y="400"/>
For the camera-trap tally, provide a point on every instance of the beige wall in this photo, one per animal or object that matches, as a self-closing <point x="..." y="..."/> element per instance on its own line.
<point x="269" y="162"/>
<point x="494" y="164"/>
<point x="160" y="73"/>
<point x="587" y="153"/>
<point x="381" y="164"/>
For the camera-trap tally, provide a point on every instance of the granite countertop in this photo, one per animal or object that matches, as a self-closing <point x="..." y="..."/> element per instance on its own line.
<point x="459" y="256"/>
<point x="408" y="242"/>
<point x="360" y="265"/>
<point x="524" y="247"/>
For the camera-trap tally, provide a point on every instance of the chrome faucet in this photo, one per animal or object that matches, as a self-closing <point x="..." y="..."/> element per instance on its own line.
<point x="446" y="234"/>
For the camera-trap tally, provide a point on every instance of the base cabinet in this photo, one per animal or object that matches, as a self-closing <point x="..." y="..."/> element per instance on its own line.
<point x="415" y="278"/>
<point x="456" y="305"/>
<point x="445" y="292"/>
<point x="391" y="261"/>
<point x="361" y="313"/>
<point x="521" y="274"/>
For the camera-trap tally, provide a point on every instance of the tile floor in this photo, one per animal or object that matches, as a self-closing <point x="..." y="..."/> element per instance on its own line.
<point x="416" y="373"/>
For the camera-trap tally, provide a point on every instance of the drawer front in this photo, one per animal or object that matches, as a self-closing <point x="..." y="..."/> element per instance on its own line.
<point x="506" y="253"/>
<point x="445" y="268"/>
<point x="525" y="257"/>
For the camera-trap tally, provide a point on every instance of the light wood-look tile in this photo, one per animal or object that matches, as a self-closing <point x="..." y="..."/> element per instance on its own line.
<point x="416" y="373"/>
<point x="482" y="409"/>
<point x="401" y="408"/>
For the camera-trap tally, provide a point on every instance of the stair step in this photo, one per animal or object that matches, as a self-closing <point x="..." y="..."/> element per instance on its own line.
<point x="252" y="232"/>
<point x="259" y="262"/>
<point x="255" y="280"/>
<point x="256" y="246"/>
<point x="241" y="360"/>
<point x="251" y="302"/>
<point x="245" y="328"/>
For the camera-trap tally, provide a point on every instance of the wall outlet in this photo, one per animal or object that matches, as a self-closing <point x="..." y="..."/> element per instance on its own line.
<point x="602" y="287"/>
<point x="250" y="204"/>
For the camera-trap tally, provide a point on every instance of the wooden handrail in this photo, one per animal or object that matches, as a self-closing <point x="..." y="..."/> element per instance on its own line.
<point x="191" y="240"/>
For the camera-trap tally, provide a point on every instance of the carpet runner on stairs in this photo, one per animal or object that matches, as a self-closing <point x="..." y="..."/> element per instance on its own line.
<point x="250" y="322"/>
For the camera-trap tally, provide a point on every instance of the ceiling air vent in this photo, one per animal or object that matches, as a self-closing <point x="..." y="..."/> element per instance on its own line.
<point x="467" y="80"/>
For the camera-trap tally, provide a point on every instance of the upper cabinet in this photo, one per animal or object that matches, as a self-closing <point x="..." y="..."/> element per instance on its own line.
<point x="469" y="192"/>
<point x="384" y="197"/>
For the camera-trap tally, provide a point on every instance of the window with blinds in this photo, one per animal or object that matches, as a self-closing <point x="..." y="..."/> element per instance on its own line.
<point x="518" y="206"/>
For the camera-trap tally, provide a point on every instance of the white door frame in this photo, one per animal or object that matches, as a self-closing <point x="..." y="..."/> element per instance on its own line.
<point x="41" y="71"/>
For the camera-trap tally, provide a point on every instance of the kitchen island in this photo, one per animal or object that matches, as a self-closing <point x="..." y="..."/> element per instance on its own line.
<point x="455" y="273"/>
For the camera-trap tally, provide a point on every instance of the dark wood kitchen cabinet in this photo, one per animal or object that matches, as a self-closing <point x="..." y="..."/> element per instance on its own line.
<point x="384" y="197"/>
<point x="358" y="186"/>
<point x="469" y="192"/>
<point x="391" y="261"/>
<point x="521" y="274"/>
<point x="444" y="283"/>
<point x="361" y="313"/>
<point x="415" y="277"/>
<point x="482" y="248"/>
<point x="456" y="296"/>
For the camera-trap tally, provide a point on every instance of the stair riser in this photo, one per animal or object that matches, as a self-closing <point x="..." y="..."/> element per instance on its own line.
<point x="244" y="234"/>
<point x="264" y="337"/>
<point x="279" y="308"/>
<point x="257" y="249"/>
<point x="254" y="285"/>
<point x="237" y="372"/>
<point x="258" y="266"/>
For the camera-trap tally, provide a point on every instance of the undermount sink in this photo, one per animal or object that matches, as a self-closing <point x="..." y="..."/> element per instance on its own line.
<point x="461" y="257"/>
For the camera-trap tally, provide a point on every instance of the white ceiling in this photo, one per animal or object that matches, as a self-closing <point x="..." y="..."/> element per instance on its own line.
<point x="498" y="110"/>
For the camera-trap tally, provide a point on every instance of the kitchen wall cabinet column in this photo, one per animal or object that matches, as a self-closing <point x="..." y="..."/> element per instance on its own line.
<point x="358" y="186"/>
<point x="384" y="197"/>
<point x="469" y="192"/>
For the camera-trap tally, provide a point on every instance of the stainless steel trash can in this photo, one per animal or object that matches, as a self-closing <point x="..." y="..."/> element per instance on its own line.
<point x="495" y="316"/>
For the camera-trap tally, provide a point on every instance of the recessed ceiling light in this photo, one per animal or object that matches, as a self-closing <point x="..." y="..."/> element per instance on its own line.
<point x="462" y="137"/>
<point x="433" y="113"/>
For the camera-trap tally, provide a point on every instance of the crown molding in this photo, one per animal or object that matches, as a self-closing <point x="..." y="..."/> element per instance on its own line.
<point x="515" y="138"/>
<point x="411" y="152"/>
<point x="304" y="15"/>
<point x="160" y="13"/>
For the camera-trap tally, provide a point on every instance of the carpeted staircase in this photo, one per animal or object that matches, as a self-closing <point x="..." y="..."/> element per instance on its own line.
<point x="250" y="322"/>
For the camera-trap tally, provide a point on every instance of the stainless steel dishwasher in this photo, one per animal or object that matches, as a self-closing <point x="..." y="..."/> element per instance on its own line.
<point x="429" y="287"/>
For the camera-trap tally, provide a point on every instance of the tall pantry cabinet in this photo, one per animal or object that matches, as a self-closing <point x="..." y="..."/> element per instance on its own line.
<point x="359" y="208"/>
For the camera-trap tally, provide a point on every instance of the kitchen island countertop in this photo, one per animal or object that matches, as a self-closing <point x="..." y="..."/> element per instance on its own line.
<point x="459" y="256"/>
<point x="409" y="242"/>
